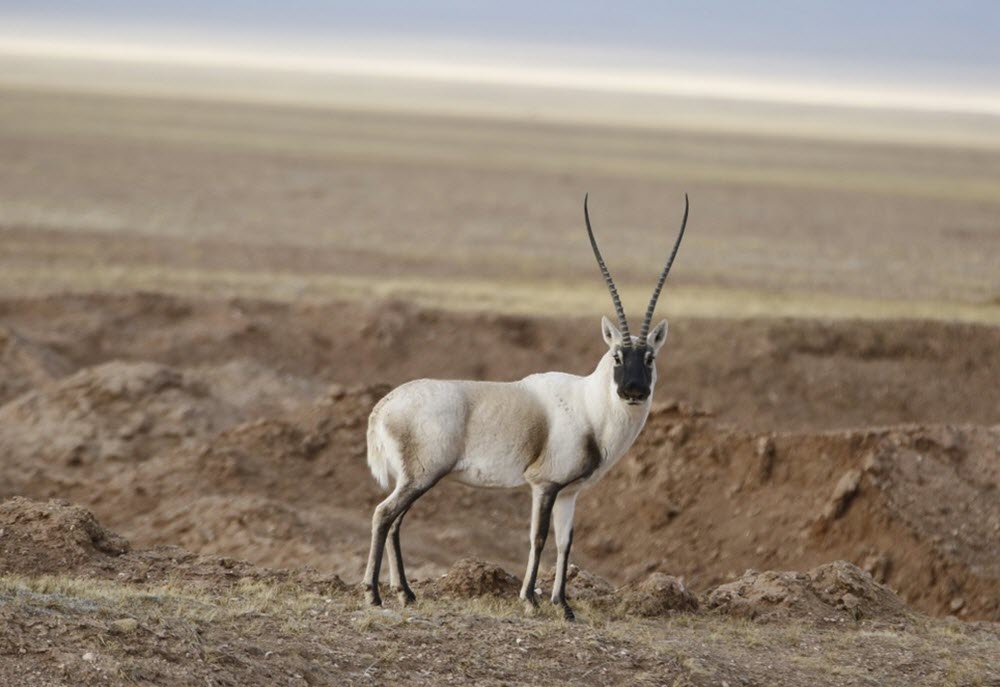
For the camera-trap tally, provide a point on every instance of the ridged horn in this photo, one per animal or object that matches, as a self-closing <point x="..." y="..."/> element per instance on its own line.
<point x="622" y="322"/>
<point x="659" y="285"/>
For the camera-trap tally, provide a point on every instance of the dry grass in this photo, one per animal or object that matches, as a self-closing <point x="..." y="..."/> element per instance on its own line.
<point x="492" y="639"/>
<point x="244" y="601"/>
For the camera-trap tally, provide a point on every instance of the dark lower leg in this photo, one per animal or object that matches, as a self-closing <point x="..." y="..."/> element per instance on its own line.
<point x="385" y="514"/>
<point x="379" y="531"/>
<point x="562" y="517"/>
<point x="397" y="572"/>
<point x="542" y="501"/>
<point x="559" y="585"/>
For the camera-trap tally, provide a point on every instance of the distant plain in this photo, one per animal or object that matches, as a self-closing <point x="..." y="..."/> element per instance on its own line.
<point x="114" y="191"/>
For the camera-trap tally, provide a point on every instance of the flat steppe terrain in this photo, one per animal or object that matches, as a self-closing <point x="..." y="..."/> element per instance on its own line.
<point x="103" y="192"/>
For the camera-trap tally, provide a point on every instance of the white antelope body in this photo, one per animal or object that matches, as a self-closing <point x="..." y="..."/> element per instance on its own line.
<point x="556" y="432"/>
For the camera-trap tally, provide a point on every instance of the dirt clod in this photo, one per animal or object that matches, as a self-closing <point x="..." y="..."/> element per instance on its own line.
<point x="470" y="578"/>
<point x="52" y="537"/>
<point x="835" y="591"/>
<point x="845" y="490"/>
<point x="580" y="584"/>
<point x="659" y="594"/>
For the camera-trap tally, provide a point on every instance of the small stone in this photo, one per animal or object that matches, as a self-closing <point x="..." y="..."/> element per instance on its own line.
<point x="878" y="565"/>
<point x="765" y="459"/>
<point x="956" y="604"/>
<point x="678" y="434"/>
<point x="124" y="626"/>
<point x="872" y="462"/>
<point x="845" y="491"/>
<point x="90" y="657"/>
<point x="765" y="445"/>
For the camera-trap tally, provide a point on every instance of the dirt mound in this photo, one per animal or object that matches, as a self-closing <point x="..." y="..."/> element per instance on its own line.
<point x="833" y="592"/>
<point x="271" y="532"/>
<point x="470" y="578"/>
<point x="768" y="375"/>
<point x="279" y="492"/>
<point x="657" y="595"/>
<point x="225" y="454"/>
<point x="73" y="433"/>
<point x="915" y="506"/>
<point x="914" y="469"/>
<point x="692" y="498"/>
<point x="52" y="538"/>
<point x="255" y="389"/>
<point x="116" y="412"/>
<point x="580" y="584"/>
<point x="57" y="538"/>
<point x="80" y="600"/>
<point x="26" y="364"/>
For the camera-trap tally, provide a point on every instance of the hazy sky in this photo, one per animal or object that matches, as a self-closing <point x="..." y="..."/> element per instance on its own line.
<point x="944" y="44"/>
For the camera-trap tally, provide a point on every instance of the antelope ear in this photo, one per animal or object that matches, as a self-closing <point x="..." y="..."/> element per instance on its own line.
<point x="657" y="337"/>
<point x="612" y="337"/>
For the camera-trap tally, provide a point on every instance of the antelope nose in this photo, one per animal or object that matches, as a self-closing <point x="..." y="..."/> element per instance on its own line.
<point x="633" y="393"/>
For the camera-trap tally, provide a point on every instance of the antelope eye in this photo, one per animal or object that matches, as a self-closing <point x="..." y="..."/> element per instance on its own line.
<point x="649" y="358"/>
<point x="618" y="358"/>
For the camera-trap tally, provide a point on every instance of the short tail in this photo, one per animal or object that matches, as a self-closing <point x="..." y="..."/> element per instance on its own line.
<point x="377" y="462"/>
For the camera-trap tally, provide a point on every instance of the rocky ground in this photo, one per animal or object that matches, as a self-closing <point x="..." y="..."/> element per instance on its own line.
<point x="224" y="442"/>
<point x="80" y="606"/>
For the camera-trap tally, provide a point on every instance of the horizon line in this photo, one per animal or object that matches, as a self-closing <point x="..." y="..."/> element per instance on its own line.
<point x="628" y="81"/>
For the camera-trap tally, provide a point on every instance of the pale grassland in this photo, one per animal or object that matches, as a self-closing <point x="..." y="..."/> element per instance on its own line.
<point x="120" y="193"/>
<point x="522" y="297"/>
<point x="609" y="153"/>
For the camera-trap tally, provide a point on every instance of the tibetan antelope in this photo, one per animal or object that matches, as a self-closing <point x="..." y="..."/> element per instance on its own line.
<point x="556" y="432"/>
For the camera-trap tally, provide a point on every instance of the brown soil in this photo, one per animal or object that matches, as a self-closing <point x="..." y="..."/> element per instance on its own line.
<point x="224" y="434"/>
<point x="764" y="374"/>
<point x="469" y="578"/>
<point x="80" y="606"/>
<point x="658" y="594"/>
<point x="833" y="592"/>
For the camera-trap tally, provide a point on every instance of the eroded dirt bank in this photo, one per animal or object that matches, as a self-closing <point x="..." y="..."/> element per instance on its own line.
<point x="237" y="428"/>
<point x="767" y="375"/>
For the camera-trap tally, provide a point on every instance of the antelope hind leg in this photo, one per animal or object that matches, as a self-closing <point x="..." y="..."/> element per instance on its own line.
<point x="385" y="514"/>
<point x="397" y="573"/>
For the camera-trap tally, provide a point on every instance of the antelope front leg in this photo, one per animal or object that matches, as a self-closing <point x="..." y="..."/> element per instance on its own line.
<point x="562" y="521"/>
<point x="542" y="499"/>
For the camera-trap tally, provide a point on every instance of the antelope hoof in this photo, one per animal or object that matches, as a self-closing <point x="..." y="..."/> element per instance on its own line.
<point x="568" y="613"/>
<point x="530" y="604"/>
<point x="372" y="596"/>
<point x="406" y="596"/>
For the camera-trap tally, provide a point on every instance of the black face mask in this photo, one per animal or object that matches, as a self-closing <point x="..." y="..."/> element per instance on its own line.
<point x="634" y="373"/>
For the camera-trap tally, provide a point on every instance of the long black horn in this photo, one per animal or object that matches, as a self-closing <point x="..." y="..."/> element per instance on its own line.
<point x="663" y="277"/>
<point x="622" y="322"/>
